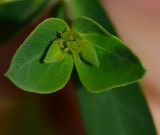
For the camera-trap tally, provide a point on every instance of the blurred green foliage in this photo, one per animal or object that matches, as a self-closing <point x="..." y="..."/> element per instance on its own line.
<point x="15" y="15"/>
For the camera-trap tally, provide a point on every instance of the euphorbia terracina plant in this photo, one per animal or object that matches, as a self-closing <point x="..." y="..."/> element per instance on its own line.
<point x="44" y="62"/>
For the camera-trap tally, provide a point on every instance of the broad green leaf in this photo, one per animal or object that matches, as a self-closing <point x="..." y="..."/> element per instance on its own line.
<point x="118" y="65"/>
<point x="55" y="53"/>
<point x="26" y="70"/>
<point x="88" y="26"/>
<point x="122" y="111"/>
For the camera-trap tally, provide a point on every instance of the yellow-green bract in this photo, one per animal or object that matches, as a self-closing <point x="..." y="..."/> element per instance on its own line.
<point x="71" y="42"/>
<point x="102" y="61"/>
<point x="55" y="53"/>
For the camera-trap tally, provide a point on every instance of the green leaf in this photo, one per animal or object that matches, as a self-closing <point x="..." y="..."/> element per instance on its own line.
<point x="99" y="110"/>
<point x="89" y="55"/>
<point x="91" y="9"/>
<point x="60" y="10"/>
<point x="13" y="10"/>
<point x="122" y="111"/>
<point x="55" y="53"/>
<point x="88" y="26"/>
<point x="28" y="73"/>
<point x="118" y="65"/>
<point x="102" y="61"/>
<point x="8" y="1"/>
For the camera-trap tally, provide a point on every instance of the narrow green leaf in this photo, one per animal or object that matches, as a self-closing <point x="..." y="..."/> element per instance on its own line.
<point x="100" y="112"/>
<point x="91" y="9"/>
<point x="118" y="65"/>
<point x="26" y="70"/>
<point x="8" y="1"/>
<point x="16" y="15"/>
<point x="20" y="10"/>
<point x="122" y="111"/>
